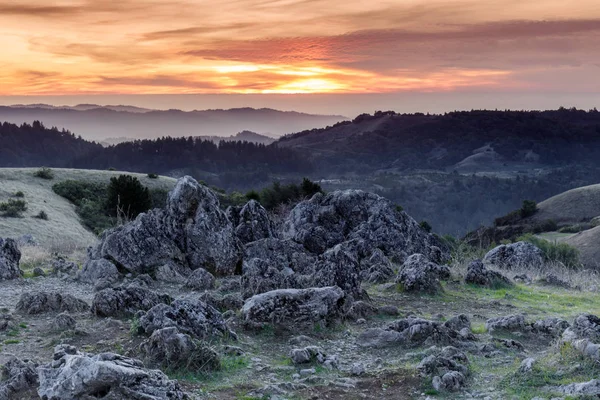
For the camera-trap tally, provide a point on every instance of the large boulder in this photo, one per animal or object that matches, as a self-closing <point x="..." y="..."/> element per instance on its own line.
<point x="251" y="222"/>
<point x="195" y="318"/>
<point x="478" y="274"/>
<point x="74" y="375"/>
<point x="96" y="270"/>
<point x="17" y="376"/>
<point x="44" y="302"/>
<point x="370" y="221"/>
<point x="127" y="300"/>
<point x="295" y="309"/>
<point x="200" y="279"/>
<point x="514" y="255"/>
<point x="190" y="232"/>
<point x="9" y="260"/>
<point x="419" y="274"/>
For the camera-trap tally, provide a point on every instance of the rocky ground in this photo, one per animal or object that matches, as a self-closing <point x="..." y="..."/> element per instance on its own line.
<point x="373" y="321"/>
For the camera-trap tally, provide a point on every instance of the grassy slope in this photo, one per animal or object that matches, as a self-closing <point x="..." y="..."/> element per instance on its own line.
<point x="63" y="231"/>
<point x="571" y="206"/>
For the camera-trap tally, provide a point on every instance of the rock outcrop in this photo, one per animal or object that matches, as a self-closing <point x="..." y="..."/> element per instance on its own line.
<point x="127" y="300"/>
<point x="200" y="279"/>
<point x="9" y="260"/>
<point x="478" y="274"/>
<point x="44" y="302"/>
<point x="74" y="375"/>
<point x="419" y="274"/>
<point x="251" y="222"/>
<point x="376" y="268"/>
<point x="17" y="376"/>
<point x="510" y="323"/>
<point x="191" y="232"/>
<point x="296" y="309"/>
<point x="514" y="255"/>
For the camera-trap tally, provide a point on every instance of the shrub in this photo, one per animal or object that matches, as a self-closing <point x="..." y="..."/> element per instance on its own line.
<point x="528" y="208"/>
<point x="78" y="191"/>
<point x="277" y="194"/>
<point x="425" y="225"/>
<point x="158" y="197"/>
<point x="127" y="197"/>
<point x="42" y="215"/>
<point x="19" y="194"/>
<point x="44" y="173"/>
<point x="152" y="176"/>
<point x="554" y="251"/>
<point x="253" y="195"/>
<point x="548" y="225"/>
<point x="13" y="208"/>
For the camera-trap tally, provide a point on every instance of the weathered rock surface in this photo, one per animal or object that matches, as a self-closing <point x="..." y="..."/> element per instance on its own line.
<point x="96" y="270"/>
<point x="508" y="323"/>
<point x="126" y="301"/>
<point x="520" y="254"/>
<point x="296" y="308"/>
<point x="478" y="274"/>
<point x="168" y="348"/>
<point x="63" y="322"/>
<point x="376" y="268"/>
<point x="9" y="260"/>
<point x="251" y="222"/>
<point x="419" y="274"/>
<point x="197" y="319"/>
<point x="17" y="376"/>
<point x="190" y="232"/>
<point x="200" y="279"/>
<point x="63" y="268"/>
<point x="338" y="267"/>
<point x="313" y="354"/>
<point x="43" y="302"/>
<point x="448" y="369"/>
<point x="74" y="375"/>
<point x="550" y="326"/>
<point x="590" y="388"/>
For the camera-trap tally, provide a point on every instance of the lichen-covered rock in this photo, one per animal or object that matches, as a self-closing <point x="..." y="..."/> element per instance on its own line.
<point x="458" y="322"/>
<point x="96" y="270"/>
<point x="74" y="375"/>
<point x="551" y="326"/>
<point x="313" y="354"/>
<point x="514" y="255"/>
<point x="510" y="323"/>
<point x="63" y="268"/>
<point x="43" y="302"/>
<point x="223" y="302"/>
<point x="361" y="309"/>
<point x="478" y="274"/>
<point x="296" y="309"/>
<point x="17" y="376"/>
<point x="200" y="279"/>
<point x="9" y="260"/>
<point x="338" y="267"/>
<point x="376" y="268"/>
<point x="370" y="221"/>
<point x="63" y="322"/>
<point x="172" y="272"/>
<point x="448" y="368"/>
<point x="168" y="348"/>
<point x="587" y="326"/>
<point x="195" y="318"/>
<point x="190" y="232"/>
<point x="452" y="381"/>
<point x="252" y="222"/>
<point x="126" y="300"/>
<point x="419" y="274"/>
<point x="589" y="388"/>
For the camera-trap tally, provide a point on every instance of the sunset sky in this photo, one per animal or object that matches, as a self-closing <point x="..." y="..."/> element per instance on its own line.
<point x="92" y="47"/>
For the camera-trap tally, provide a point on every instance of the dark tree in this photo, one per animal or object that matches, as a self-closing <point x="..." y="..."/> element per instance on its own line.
<point x="127" y="197"/>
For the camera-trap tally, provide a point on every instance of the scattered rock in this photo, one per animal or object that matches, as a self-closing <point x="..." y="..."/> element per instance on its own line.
<point x="43" y="302"/>
<point x="418" y="274"/>
<point x="74" y="375"/>
<point x="63" y="268"/>
<point x="125" y="300"/>
<point x="527" y="365"/>
<point x="519" y="254"/>
<point x="477" y="274"/>
<point x="168" y="348"/>
<point x="553" y="280"/>
<point x="231" y="301"/>
<point x="509" y="323"/>
<point x="307" y="355"/>
<point x="63" y="322"/>
<point x="6" y="322"/>
<point x="590" y="388"/>
<point x="551" y="326"/>
<point x="200" y="279"/>
<point x="447" y="368"/>
<point x="9" y="260"/>
<point x="458" y="322"/>
<point x="389" y="310"/>
<point x="100" y="270"/>
<point x="16" y="377"/>
<point x="361" y="309"/>
<point x="172" y="272"/>
<point x="296" y="308"/>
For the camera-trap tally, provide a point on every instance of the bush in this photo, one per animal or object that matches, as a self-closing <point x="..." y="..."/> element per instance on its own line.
<point x="42" y="215"/>
<point x="153" y="176"/>
<point x="253" y="195"/>
<point x="44" y="173"/>
<point x="158" y="197"/>
<point x="554" y="251"/>
<point x="19" y="194"/>
<point x="528" y="208"/>
<point x="425" y="226"/>
<point x="277" y="194"/>
<point x="78" y="191"/>
<point x="127" y="197"/>
<point x="548" y="225"/>
<point x="13" y="208"/>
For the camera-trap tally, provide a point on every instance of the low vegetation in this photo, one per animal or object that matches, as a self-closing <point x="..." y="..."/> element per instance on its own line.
<point x="13" y="208"/>
<point x="278" y="194"/>
<point x="555" y="251"/>
<point x="44" y="173"/>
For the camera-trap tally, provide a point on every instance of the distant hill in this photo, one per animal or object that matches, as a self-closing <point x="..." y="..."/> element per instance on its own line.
<point x="244" y="136"/>
<point x="101" y="122"/>
<point x="573" y="206"/>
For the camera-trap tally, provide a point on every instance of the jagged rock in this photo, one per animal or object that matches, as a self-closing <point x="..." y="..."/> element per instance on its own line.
<point x="366" y="219"/>
<point x="361" y="309"/>
<point x="125" y="300"/>
<point x="43" y="302"/>
<point x="584" y="335"/>
<point x="551" y="326"/>
<point x="37" y="272"/>
<point x="63" y="322"/>
<point x="411" y="332"/>
<point x="510" y="323"/>
<point x="313" y="354"/>
<point x="452" y="381"/>
<point x="271" y="264"/>
<point x="520" y="254"/>
<point x="168" y="348"/>
<point x="251" y="222"/>
<point x="190" y="232"/>
<point x="74" y="375"/>
<point x="458" y="322"/>
<point x="9" y="260"/>
<point x="478" y="274"/>
<point x="338" y="267"/>
<point x="63" y="268"/>
<point x="526" y="365"/>
<point x="448" y="369"/>
<point x="197" y="319"/>
<point x="296" y="308"/>
<point x="94" y="271"/>
<point x="376" y="268"/>
<point x="231" y="301"/>
<point x="200" y="279"/>
<point x="418" y="274"/>
<point x="17" y="376"/>
<point x="172" y="272"/>
<point x="590" y="388"/>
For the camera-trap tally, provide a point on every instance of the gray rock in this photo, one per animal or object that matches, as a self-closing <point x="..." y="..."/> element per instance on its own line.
<point x="590" y="388"/>
<point x="190" y="232"/>
<point x="338" y="267"/>
<point x="97" y="270"/>
<point x="527" y="365"/>
<point x="551" y="326"/>
<point x="37" y="272"/>
<point x="389" y="310"/>
<point x="587" y="326"/>
<point x="252" y="222"/>
<point x="357" y="369"/>
<point x="366" y="219"/>
<point x="172" y="272"/>
<point x="361" y="309"/>
<point x="6" y="322"/>
<point x="509" y="323"/>
<point x="520" y="254"/>
<point x="458" y="322"/>
<point x="418" y="274"/>
<point x="168" y="348"/>
<point x="448" y="369"/>
<point x="478" y="274"/>
<point x="9" y="260"/>
<point x="296" y="308"/>
<point x="307" y="354"/>
<point x="74" y="375"/>
<point x="43" y="302"/>
<point x="376" y="268"/>
<point x="63" y="268"/>
<point x="125" y="300"/>
<point x="63" y="322"/>
<point x="453" y="381"/>
<point x="200" y="279"/>
<point x="197" y="319"/>
<point x="553" y="280"/>
<point x="231" y="301"/>
<point x="17" y="376"/>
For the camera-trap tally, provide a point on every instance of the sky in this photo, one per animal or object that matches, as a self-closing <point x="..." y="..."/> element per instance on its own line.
<point x="360" y="54"/>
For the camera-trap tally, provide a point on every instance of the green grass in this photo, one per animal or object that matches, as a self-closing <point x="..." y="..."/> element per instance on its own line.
<point x="478" y="328"/>
<point x="12" y="341"/>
